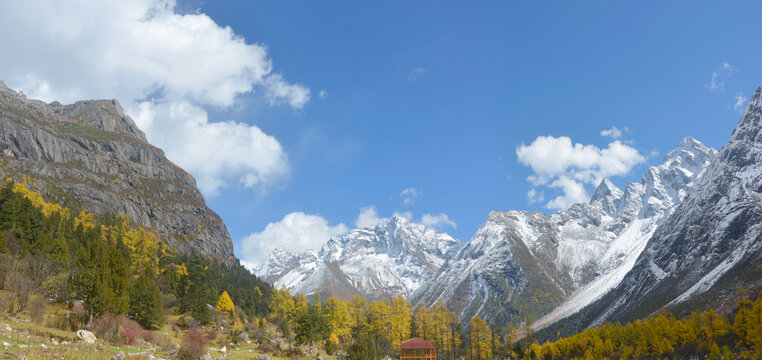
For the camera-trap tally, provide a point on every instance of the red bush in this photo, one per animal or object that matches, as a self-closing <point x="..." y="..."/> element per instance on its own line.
<point x="120" y="329"/>
<point x="193" y="345"/>
<point x="105" y="327"/>
<point x="148" y="336"/>
<point x="128" y="336"/>
<point x="129" y="330"/>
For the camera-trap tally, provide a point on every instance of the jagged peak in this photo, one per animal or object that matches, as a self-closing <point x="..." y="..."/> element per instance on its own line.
<point x="756" y="99"/>
<point x="280" y="250"/>
<point x="398" y="220"/>
<point x="606" y="190"/>
<point x="689" y="154"/>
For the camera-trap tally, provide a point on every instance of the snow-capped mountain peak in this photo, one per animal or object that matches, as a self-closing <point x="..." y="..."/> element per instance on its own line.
<point x="608" y="195"/>
<point x="709" y="245"/>
<point x="572" y="257"/>
<point x="393" y="257"/>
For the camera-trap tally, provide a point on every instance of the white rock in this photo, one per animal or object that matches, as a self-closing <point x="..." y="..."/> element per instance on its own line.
<point x="86" y="336"/>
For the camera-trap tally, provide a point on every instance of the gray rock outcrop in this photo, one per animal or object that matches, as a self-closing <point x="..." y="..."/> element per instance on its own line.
<point x="90" y="154"/>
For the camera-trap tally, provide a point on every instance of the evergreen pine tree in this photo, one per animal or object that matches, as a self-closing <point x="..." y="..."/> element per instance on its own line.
<point x="146" y="304"/>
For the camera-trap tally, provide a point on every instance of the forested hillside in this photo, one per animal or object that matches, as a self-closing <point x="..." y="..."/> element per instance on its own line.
<point x="109" y="264"/>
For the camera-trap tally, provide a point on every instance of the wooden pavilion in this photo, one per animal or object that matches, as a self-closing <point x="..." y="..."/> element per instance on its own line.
<point x="418" y="349"/>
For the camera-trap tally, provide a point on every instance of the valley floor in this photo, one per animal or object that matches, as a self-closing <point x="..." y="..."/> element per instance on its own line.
<point x="20" y="338"/>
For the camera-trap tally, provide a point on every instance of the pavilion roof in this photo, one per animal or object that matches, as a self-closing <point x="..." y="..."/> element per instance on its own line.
<point x="417" y="343"/>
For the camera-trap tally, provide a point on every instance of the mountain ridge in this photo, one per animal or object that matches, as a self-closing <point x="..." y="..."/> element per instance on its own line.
<point x="538" y="265"/>
<point x="91" y="153"/>
<point x="388" y="259"/>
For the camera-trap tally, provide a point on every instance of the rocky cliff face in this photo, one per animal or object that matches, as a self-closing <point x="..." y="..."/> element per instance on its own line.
<point x="91" y="153"/>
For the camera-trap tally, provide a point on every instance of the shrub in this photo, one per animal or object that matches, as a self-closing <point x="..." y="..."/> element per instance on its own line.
<point x="119" y="329"/>
<point x="56" y="287"/>
<point x="148" y="336"/>
<point x="164" y="343"/>
<point x="170" y="300"/>
<point x="266" y="347"/>
<point x="129" y="330"/>
<point x="37" y="310"/>
<point x="105" y="327"/>
<point x="193" y="345"/>
<point x="330" y="347"/>
<point x="128" y="336"/>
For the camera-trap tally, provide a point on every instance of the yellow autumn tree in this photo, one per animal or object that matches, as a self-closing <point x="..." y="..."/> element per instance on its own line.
<point x="339" y="319"/>
<point x="481" y="339"/>
<point x="225" y="304"/>
<point x="334" y="339"/>
<point x="85" y="219"/>
<point x="379" y="323"/>
<point x="358" y="310"/>
<point x="36" y="199"/>
<point x="401" y="319"/>
<point x="282" y="305"/>
<point x="301" y="305"/>
<point x="423" y="321"/>
<point x="442" y="327"/>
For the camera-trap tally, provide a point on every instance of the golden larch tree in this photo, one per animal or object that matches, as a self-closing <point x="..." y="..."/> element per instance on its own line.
<point x="225" y="304"/>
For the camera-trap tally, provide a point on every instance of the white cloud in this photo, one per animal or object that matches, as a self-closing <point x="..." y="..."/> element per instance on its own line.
<point x="615" y="133"/>
<point x="410" y="195"/>
<point x="717" y="81"/>
<point x="438" y="221"/>
<point x="212" y="151"/>
<point x="573" y="192"/>
<point x="415" y="73"/>
<point x="323" y="94"/>
<point x="161" y="66"/>
<point x="279" y="91"/>
<point x="715" y="84"/>
<point x="296" y="232"/>
<point x="740" y="101"/>
<point x="368" y="217"/>
<point x="248" y="265"/>
<point x="556" y="163"/>
<point x="534" y="196"/>
<point x="405" y="214"/>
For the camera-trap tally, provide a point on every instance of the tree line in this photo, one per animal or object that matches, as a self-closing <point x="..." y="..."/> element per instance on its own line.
<point x="109" y="265"/>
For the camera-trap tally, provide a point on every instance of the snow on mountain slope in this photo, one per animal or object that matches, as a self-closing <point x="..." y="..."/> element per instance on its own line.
<point x="392" y="258"/>
<point x="710" y="241"/>
<point x="650" y="203"/>
<point x="521" y="264"/>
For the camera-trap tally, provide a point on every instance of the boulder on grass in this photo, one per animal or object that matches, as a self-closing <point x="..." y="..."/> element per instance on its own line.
<point x="86" y="336"/>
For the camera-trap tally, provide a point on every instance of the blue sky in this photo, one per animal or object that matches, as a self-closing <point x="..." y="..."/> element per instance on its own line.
<point x="366" y="99"/>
